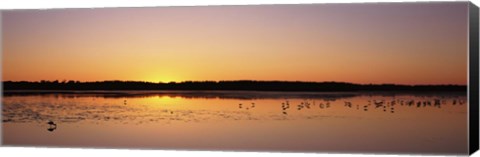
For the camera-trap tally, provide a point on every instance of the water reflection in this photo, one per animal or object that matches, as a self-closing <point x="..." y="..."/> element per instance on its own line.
<point x="413" y="117"/>
<point x="144" y="109"/>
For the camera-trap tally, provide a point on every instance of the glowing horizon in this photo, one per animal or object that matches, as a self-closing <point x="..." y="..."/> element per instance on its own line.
<point x="390" y="43"/>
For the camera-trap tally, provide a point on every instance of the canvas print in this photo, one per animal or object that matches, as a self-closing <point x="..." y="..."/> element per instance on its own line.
<point x="338" y="78"/>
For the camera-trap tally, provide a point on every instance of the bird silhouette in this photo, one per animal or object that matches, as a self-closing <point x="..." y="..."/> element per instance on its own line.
<point x="51" y="123"/>
<point x="348" y="104"/>
<point x="52" y="126"/>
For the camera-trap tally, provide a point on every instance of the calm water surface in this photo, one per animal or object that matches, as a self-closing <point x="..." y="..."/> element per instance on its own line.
<point x="433" y="123"/>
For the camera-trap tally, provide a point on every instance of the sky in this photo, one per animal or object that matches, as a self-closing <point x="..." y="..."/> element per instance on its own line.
<point x="400" y="43"/>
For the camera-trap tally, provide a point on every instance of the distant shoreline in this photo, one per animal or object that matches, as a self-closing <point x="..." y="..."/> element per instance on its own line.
<point x="243" y="85"/>
<point x="223" y="94"/>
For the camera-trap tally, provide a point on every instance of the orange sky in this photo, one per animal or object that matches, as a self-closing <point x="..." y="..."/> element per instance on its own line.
<point x="404" y="43"/>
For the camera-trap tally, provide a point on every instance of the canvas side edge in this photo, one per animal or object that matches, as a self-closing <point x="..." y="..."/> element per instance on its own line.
<point x="473" y="83"/>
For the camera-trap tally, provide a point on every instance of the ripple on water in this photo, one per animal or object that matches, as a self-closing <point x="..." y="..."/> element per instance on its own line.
<point x="24" y="109"/>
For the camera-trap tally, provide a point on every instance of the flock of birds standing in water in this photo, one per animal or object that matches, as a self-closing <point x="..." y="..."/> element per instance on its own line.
<point x="307" y="104"/>
<point x="375" y="104"/>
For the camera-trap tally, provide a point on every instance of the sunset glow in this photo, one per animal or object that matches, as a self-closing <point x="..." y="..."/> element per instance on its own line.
<point x="360" y="43"/>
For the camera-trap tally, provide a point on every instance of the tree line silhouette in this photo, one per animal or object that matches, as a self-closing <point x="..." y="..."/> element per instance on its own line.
<point x="240" y="85"/>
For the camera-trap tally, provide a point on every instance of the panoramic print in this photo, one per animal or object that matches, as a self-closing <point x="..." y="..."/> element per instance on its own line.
<point x="346" y="78"/>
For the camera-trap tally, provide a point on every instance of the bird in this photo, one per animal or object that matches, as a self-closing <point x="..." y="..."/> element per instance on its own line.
<point x="51" y="123"/>
<point x="348" y="104"/>
<point x="52" y="126"/>
<point x="437" y="102"/>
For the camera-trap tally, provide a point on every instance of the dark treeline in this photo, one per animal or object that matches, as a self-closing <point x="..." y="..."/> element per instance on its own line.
<point x="246" y="95"/>
<point x="245" y="85"/>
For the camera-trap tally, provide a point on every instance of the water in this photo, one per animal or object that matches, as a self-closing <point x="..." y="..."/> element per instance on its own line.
<point x="432" y="123"/>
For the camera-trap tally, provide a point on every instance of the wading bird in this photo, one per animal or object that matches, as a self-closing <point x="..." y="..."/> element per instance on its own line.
<point x="52" y="126"/>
